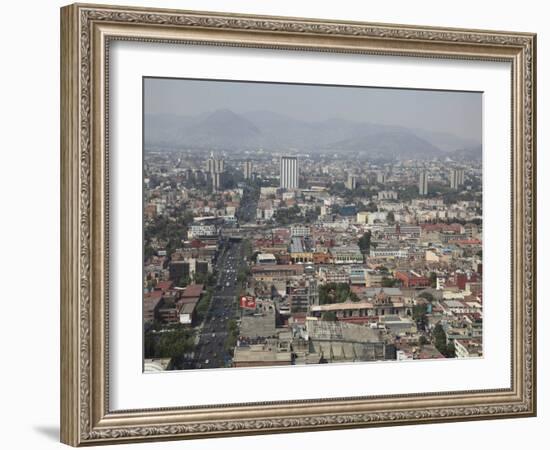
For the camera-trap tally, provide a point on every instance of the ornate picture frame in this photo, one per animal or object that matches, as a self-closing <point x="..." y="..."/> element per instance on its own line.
<point x="86" y="34"/>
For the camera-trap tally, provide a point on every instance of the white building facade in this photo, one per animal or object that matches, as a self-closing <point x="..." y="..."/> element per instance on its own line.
<point x="289" y="172"/>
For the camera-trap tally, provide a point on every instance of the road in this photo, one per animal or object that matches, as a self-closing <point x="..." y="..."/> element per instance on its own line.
<point x="247" y="211"/>
<point x="210" y="351"/>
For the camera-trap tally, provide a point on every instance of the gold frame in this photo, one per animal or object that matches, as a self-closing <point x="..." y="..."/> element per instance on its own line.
<point x="86" y="31"/>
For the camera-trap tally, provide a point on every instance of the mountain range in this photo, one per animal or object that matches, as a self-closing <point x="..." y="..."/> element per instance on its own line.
<point x="228" y="131"/>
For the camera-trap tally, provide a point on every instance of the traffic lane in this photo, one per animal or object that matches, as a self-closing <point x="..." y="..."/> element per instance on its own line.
<point x="217" y="320"/>
<point x="214" y="353"/>
<point x="214" y="334"/>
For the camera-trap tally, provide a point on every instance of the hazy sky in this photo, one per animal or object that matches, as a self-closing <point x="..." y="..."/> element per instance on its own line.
<point x="446" y="111"/>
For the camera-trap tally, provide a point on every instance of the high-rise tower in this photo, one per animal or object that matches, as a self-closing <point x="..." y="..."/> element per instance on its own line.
<point x="289" y="172"/>
<point x="215" y="168"/>
<point x="247" y="170"/>
<point x="423" y="183"/>
<point x="456" y="178"/>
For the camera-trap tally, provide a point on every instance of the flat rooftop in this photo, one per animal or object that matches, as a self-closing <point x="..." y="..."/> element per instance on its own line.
<point x="296" y="245"/>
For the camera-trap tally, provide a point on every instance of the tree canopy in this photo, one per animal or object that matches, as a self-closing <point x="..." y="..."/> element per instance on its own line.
<point x="335" y="293"/>
<point x="446" y="349"/>
<point x="364" y="242"/>
<point x="171" y="343"/>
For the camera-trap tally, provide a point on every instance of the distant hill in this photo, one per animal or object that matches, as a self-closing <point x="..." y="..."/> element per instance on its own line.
<point x="469" y="154"/>
<point x="447" y="142"/>
<point x="226" y="130"/>
<point x="221" y="128"/>
<point x="403" y="144"/>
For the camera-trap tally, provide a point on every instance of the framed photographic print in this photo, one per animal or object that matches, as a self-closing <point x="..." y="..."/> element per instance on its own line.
<point x="275" y="224"/>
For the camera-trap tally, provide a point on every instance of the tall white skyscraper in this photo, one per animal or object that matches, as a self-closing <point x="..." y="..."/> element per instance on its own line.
<point x="289" y="172"/>
<point x="247" y="170"/>
<point x="423" y="183"/>
<point x="215" y="168"/>
<point x="220" y="165"/>
<point x="351" y="182"/>
<point x="210" y="164"/>
<point x="456" y="178"/>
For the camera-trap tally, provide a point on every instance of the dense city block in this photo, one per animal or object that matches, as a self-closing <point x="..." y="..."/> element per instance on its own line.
<point x="263" y="258"/>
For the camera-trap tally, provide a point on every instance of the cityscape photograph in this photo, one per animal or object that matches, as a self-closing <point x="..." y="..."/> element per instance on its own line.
<point x="296" y="224"/>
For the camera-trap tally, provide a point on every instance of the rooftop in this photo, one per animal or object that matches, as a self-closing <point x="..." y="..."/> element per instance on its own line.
<point x="193" y="290"/>
<point x="261" y="353"/>
<point x="341" y="331"/>
<point x="296" y="245"/>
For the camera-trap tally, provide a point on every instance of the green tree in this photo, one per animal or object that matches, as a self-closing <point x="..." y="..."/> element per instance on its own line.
<point x="371" y="207"/>
<point x="243" y="275"/>
<point x="329" y="316"/>
<point x="148" y="251"/>
<point x="440" y="337"/>
<point x="247" y="249"/>
<point x="286" y="216"/>
<point x="203" y="305"/>
<point x="427" y="295"/>
<point x="172" y="343"/>
<point x="433" y="280"/>
<point x="208" y="279"/>
<point x="450" y="350"/>
<point x="184" y="281"/>
<point x="364" y="242"/>
<point x="419" y="311"/>
<point x="233" y="334"/>
<point x="389" y="282"/>
<point x="334" y="293"/>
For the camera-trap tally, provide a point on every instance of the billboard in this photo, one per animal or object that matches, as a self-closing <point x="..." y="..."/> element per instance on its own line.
<point x="248" y="302"/>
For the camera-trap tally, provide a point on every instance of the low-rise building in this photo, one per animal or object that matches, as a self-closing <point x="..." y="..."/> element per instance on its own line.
<point x="411" y="279"/>
<point x="300" y="231"/>
<point x="299" y="251"/>
<point x="376" y="305"/>
<point x="388" y="252"/>
<point x="268" y="353"/>
<point x="362" y="217"/>
<point x="269" y="272"/>
<point x="266" y="258"/>
<point x="345" y="342"/>
<point x="151" y="304"/>
<point x="468" y="348"/>
<point x="333" y="274"/>
<point x="156" y="364"/>
<point x="201" y="230"/>
<point x="346" y="254"/>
